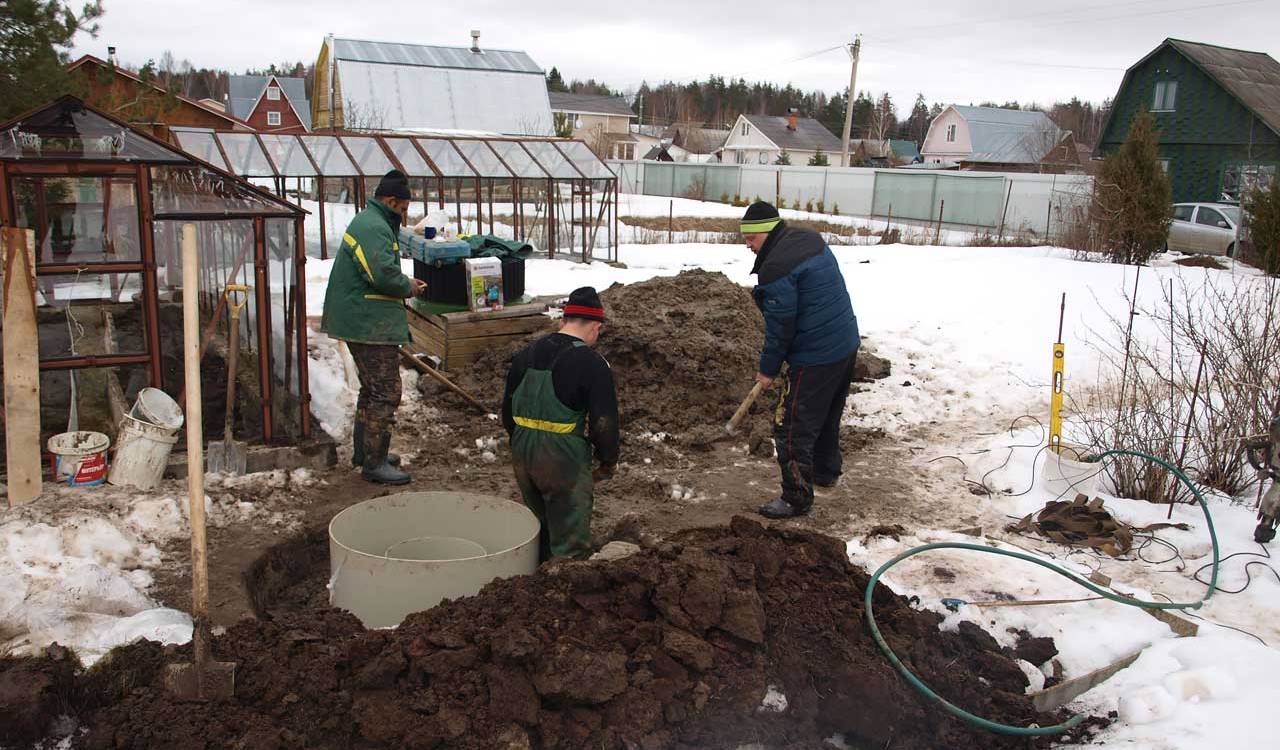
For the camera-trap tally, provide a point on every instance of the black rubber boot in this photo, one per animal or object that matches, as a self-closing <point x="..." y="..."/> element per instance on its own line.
<point x="377" y="470"/>
<point x="781" y="509"/>
<point x="357" y="447"/>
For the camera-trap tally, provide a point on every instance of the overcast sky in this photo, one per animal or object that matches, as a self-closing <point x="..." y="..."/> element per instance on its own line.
<point x="957" y="51"/>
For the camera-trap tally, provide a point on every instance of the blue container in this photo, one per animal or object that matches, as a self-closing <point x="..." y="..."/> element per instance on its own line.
<point x="432" y="252"/>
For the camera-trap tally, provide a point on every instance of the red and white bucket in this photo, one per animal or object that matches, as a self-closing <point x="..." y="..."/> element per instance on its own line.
<point x="79" y="458"/>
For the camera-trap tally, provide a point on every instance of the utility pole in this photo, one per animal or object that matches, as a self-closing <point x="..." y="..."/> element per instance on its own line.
<point x="854" y="50"/>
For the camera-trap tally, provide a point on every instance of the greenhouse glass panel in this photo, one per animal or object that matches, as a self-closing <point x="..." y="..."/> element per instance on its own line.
<point x="407" y="154"/>
<point x="585" y="160"/>
<point x="370" y="157"/>
<point x="287" y="154"/>
<point x="482" y="158"/>
<point x="518" y="159"/>
<point x="329" y="156"/>
<point x="196" y="190"/>
<point x="552" y="160"/>
<point x="446" y="158"/>
<point x="201" y="145"/>
<point x="245" y="155"/>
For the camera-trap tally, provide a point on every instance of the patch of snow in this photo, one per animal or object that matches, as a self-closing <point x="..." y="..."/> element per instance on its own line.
<point x="774" y="701"/>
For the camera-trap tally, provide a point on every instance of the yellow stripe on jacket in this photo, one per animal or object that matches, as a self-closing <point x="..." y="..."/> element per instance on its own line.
<point x="359" y="253"/>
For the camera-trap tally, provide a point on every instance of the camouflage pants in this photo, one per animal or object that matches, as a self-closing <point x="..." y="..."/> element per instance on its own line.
<point x="379" y="369"/>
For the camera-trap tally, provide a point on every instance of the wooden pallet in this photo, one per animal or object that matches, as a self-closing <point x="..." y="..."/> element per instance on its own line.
<point x="459" y="338"/>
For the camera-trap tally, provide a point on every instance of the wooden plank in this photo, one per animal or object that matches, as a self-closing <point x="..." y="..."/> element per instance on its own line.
<point x="21" y="367"/>
<point x="1063" y="693"/>
<point x="515" y="311"/>
<point x="500" y="327"/>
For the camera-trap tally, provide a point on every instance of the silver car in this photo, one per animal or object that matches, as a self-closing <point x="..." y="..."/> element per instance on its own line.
<point x="1206" y="228"/>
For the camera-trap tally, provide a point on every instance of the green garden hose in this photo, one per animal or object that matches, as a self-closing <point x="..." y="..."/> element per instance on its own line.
<point x="1074" y="720"/>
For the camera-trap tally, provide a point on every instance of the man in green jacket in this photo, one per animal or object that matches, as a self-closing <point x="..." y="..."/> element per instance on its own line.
<point x="364" y="306"/>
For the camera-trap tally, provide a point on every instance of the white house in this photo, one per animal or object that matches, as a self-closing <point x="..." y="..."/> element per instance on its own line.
<point x="760" y="139"/>
<point x="993" y="139"/>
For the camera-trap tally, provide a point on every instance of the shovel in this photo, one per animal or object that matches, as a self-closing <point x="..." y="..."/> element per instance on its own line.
<point x="201" y="679"/>
<point x="704" y="436"/>
<point x="228" y="456"/>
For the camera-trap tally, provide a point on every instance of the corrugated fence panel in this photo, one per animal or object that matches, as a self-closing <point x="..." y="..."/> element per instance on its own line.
<point x="969" y="200"/>
<point x="757" y="180"/>
<point x="851" y="190"/>
<point x="803" y="185"/>
<point x="659" y="179"/>
<point x="722" y="181"/>
<point x="904" y="195"/>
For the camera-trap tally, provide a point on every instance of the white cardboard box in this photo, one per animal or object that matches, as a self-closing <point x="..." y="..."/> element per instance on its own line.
<point x="484" y="283"/>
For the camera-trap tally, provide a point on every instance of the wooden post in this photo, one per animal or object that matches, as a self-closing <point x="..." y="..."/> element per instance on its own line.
<point x="195" y="436"/>
<point x="937" y="238"/>
<point x="671" y="213"/>
<point x="1005" y="212"/>
<point x="21" y="367"/>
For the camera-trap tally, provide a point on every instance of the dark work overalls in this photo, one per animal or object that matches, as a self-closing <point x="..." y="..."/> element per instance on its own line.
<point x="553" y="463"/>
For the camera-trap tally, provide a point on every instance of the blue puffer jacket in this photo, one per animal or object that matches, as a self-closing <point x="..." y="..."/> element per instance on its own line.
<point x="808" y="318"/>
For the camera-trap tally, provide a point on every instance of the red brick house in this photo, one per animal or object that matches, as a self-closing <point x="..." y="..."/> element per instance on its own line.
<point x="271" y="104"/>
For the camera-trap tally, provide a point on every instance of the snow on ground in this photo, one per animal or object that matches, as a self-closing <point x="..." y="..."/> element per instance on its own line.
<point x="76" y="565"/>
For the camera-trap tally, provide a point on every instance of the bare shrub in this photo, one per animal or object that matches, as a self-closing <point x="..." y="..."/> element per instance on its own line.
<point x="1156" y="397"/>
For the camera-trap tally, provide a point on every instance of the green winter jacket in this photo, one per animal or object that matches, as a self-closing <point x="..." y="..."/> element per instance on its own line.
<point x="365" y="299"/>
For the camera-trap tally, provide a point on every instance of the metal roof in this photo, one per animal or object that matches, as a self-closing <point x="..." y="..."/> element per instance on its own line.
<point x="379" y="96"/>
<point x="809" y="134"/>
<point x="245" y="91"/>
<point x="1253" y="77"/>
<point x="1009" y="136"/>
<point x="427" y="56"/>
<point x="616" y="106"/>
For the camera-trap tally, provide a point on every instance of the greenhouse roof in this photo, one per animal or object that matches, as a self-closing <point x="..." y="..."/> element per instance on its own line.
<point x="366" y="155"/>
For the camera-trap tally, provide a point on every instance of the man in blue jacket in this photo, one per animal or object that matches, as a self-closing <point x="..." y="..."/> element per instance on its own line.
<point x="810" y="325"/>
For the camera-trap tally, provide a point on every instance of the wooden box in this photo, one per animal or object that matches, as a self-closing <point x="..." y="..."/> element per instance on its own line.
<point x="458" y="338"/>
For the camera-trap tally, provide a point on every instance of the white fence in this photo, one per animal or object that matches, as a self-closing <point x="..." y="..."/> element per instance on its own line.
<point x="1019" y="202"/>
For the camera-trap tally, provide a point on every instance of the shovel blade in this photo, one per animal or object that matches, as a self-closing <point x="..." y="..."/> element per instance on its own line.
<point x="226" y="457"/>
<point x="216" y="682"/>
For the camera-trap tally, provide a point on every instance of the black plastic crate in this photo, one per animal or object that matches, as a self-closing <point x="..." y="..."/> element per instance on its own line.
<point x="447" y="284"/>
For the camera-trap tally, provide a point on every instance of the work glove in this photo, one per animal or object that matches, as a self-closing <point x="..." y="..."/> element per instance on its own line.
<point x="603" y="472"/>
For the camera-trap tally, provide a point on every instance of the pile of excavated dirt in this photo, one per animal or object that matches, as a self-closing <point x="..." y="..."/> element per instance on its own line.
<point x="675" y="647"/>
<point x="684" y="351"/>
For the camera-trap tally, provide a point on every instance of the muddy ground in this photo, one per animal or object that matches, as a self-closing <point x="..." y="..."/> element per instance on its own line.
<point x="687" y="644"/>
<point x="674" y="648"/>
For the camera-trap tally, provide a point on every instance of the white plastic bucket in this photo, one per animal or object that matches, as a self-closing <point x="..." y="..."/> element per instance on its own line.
<point x="79" y="458"/>
<point x="155" y="406"/>
<point x="146" y="437"/>
<point x="1066" y="476"/>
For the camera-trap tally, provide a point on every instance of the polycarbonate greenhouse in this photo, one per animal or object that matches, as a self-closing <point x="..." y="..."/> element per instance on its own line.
<point x="553" y="193"/>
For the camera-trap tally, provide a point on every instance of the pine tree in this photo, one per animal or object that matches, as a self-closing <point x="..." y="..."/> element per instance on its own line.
<point x="1262" y="206"/>
<point x="1132" y="197"/>
<point x="784" y="159"/>
<point x="35" y="37"/>
<point x="819" y="159"/>
<point x="555" y="82"/>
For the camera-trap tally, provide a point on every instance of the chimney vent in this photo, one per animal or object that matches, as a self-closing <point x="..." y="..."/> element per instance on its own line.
<point x="475" y="40"/>
<point x="111" y="56"/>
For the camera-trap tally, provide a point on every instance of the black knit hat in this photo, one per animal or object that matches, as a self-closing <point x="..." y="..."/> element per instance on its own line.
<point x="584" y="303"/>
<point x="393" y="185"/>
<point x="760" y="218"/>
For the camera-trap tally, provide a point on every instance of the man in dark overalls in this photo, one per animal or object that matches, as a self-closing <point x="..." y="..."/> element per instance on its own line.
<point x="560" y="407"/>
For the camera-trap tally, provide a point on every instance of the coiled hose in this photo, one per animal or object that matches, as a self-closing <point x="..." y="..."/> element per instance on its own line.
<point x="1073" y="577"/>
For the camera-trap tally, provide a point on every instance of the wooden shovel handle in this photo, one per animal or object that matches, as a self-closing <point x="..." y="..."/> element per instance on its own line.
<point x="423" y="368"/>
<point x="738" y="415"/>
